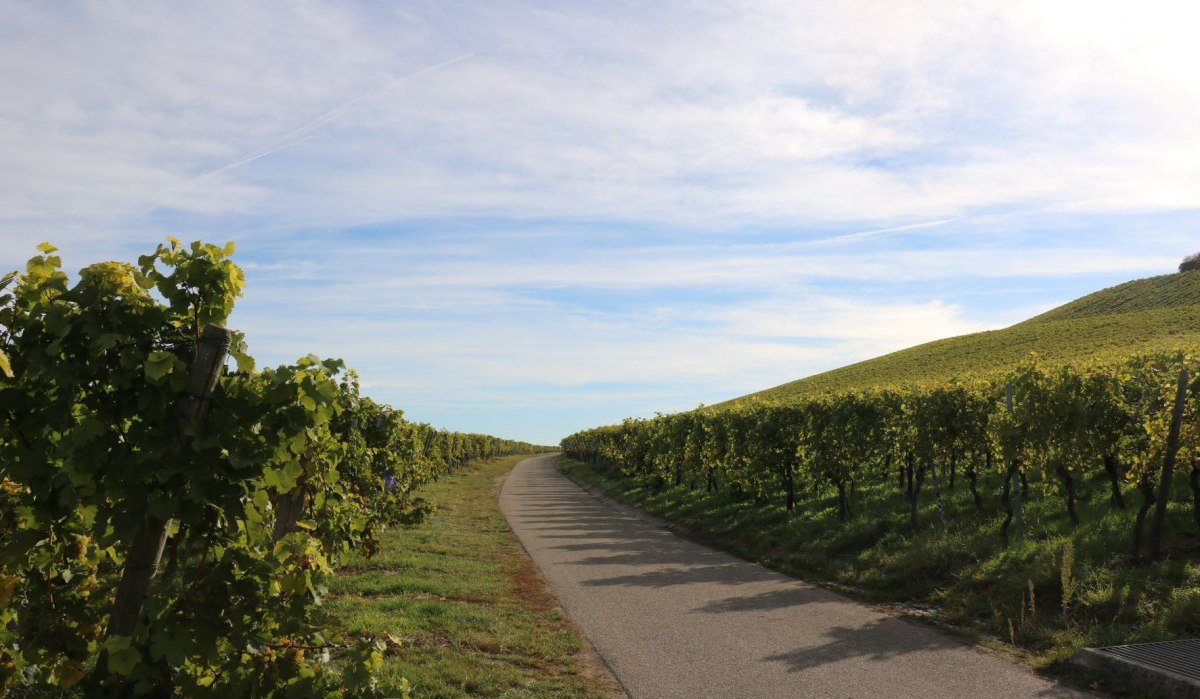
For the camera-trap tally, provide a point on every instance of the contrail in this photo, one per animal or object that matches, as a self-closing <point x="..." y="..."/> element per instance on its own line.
<point x="850" y="237"/>
<point x="307" y="131"/>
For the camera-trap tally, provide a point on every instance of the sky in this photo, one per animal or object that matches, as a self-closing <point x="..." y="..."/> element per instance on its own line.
<point x="530" y="218"/>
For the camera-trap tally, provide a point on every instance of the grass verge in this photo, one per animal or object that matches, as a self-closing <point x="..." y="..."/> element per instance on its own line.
<point x="475" y="615"/>
<point x="1062" y="589"/>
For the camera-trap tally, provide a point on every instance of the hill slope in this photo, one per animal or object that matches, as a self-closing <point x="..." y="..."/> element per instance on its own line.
<point x="1158" y="313"/>
<point x="1165" y="291"/>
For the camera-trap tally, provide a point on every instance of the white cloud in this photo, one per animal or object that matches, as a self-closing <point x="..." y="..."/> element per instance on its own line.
<point x="729" y="135"/>
<point x="427" y="273"/>
<point x="830" y="112"/>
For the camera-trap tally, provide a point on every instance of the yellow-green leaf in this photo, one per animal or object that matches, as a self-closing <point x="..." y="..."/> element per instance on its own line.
<point x="8" y="588"/>
<point x="69" y="674"/>
<point x="159" y="364"/>
<point x="122" y="656"/>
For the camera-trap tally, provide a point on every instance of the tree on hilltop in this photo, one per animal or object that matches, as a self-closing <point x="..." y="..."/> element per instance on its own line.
<point x="1191" y="262"/>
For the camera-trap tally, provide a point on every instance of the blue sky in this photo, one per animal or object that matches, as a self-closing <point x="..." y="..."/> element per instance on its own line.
<point x="527" y="218"/>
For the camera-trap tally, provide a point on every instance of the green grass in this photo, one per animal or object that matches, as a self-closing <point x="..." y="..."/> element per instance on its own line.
<point x="961" y="571"/>
<point x="475" y="617"/>
<point x="1159" y="313"/>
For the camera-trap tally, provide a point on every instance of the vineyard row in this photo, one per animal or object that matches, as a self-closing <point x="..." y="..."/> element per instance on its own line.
<point x="1128" y="423"/>
<point x="168" y="524"/>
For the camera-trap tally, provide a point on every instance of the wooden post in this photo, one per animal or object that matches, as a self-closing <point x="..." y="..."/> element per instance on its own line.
<point x="1014" y="469"/>
<point x="1168" y="471"/>
<point x="937" y="491"/>
<point x="1194" y="481"/>
<point x="918" y="477"/>
<point x="145" y="551"/>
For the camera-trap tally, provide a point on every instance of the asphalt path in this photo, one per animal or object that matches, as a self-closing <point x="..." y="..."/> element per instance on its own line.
<point x="672" y="618"/>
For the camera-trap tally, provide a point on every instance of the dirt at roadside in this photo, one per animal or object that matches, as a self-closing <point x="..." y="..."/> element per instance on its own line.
<point x="534" y="591"/>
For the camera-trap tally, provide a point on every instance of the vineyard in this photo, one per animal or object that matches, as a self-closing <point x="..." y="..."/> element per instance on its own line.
<point x="1079" y="482"/>
<point x="168" y="524"/>
<point x="1153" y="293"/>
<point x="1159" y="314"/>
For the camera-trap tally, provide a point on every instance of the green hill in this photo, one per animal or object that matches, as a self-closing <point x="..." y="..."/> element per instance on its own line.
<point x="1166" y="291"/>
<point x="1158" y="313"/>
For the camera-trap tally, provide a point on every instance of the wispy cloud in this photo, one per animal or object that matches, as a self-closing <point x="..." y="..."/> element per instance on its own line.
<point x="628" y="208"/>
<point x="307" y="131"/>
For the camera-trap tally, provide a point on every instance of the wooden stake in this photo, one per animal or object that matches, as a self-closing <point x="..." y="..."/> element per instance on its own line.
<point x="146" y="548"/>
<point x="1018" y="514"/>
<point x="1168" y="470"/>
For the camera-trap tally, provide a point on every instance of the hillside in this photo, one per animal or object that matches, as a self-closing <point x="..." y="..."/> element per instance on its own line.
<point x="1157" y="313"/>
<point x="1162" y="292"/>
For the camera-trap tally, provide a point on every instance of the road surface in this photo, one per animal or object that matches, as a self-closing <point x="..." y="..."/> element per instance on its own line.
<point x="672" y="618"/>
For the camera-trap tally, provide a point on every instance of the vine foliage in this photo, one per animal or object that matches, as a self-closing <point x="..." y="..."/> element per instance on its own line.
<point x="1053" y="426"/>
<point x="239" y="502"/>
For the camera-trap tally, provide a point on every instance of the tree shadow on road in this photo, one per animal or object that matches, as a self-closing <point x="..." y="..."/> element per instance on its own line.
<point x="888" y="640"/>
<point x="791" y="596"/>
<point x="882" y="640"/>
<point x="733" y="573"/>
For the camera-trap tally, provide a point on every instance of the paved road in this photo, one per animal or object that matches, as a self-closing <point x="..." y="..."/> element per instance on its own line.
<point x="675" y="619"/>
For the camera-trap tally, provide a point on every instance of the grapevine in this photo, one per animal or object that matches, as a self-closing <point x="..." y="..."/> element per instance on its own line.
<point x="160" y="539"/>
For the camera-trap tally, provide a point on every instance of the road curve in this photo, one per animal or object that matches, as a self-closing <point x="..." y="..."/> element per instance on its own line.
<point x="675" y="619"/>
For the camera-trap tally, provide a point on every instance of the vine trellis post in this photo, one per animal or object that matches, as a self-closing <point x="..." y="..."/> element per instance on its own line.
<point x="1014" y="473"/>
<point x="146" y="549"/>
<point x="1168" y="469"/>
